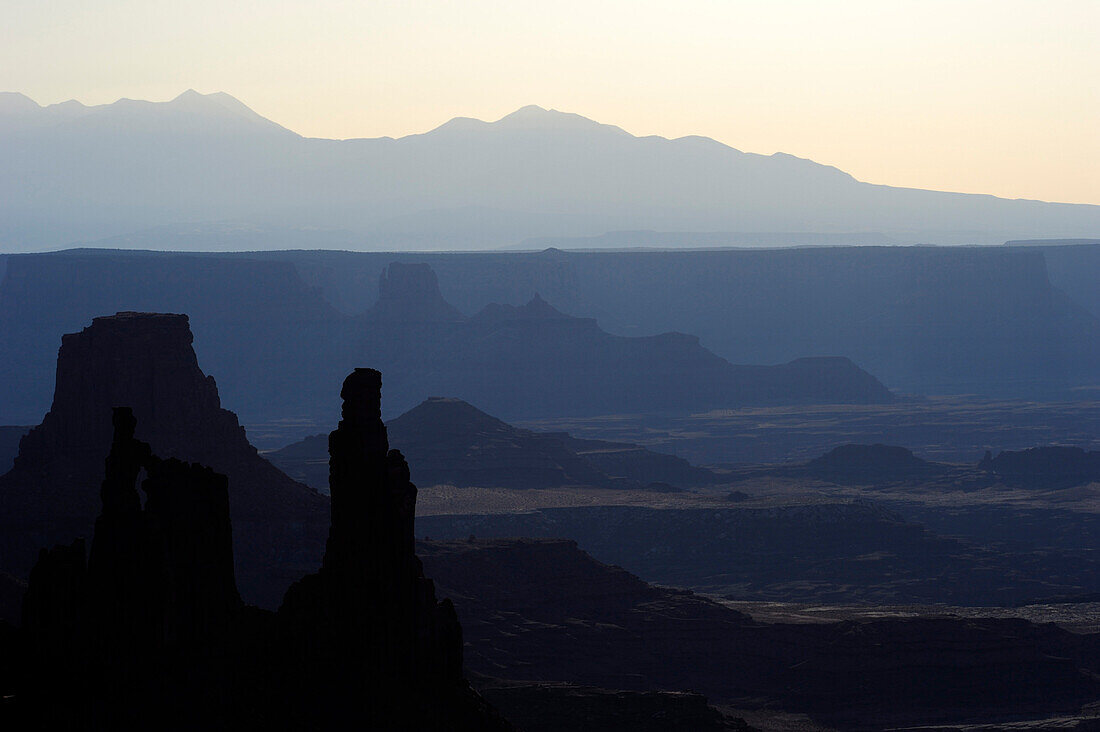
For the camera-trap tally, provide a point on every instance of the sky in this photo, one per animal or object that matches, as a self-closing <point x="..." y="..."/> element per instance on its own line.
<point x="981" y="96"/>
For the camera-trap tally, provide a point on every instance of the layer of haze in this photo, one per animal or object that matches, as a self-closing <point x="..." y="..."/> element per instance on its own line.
<point x="991" y="96"/>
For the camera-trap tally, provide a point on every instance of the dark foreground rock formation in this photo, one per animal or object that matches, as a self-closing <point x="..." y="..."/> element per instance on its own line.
<point x="146" y="361"/>
<point x="9" y="445"/>
<point x="151" y="633"/>
<point x="369" y="616"/>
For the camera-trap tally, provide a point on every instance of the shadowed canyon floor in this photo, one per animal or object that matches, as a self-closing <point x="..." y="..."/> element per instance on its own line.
<point x="543" y="611"/>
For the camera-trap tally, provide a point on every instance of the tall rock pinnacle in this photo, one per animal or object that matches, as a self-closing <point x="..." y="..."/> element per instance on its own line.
<point x="373" y="500"/>
<point x="150" y="632"/>
<point x="119" y="637"/>
<point x="370" y="616"/>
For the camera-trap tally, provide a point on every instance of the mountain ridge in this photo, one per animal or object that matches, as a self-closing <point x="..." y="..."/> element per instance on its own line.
<point x="79" y="174"/>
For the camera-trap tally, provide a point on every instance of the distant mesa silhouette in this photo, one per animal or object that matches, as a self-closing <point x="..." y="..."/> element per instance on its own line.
<point x="533" y="359"/>
<point x="410" y="293"/>
<point x="449" y="441"/>
<point x="1044" y="467"/>
<point x="151" y="631"/>
<point x="860" y="463"/>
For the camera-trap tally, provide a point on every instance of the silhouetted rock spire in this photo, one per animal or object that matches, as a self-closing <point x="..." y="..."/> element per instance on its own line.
<point x="152" y="633"/>
<point x="370" y="617"/>
<point x="158" y="577"/>
<point x="129" y="630"/>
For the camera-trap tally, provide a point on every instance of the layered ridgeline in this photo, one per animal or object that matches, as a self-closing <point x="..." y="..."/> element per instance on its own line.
<point x="146" y="361"/>
<point x="150" y="631"/>
<point x="449" y="441"/>
<point x="996" y="322"/>
<point x="279" y="328"/>
<point x="278" y="345"/>
<point x="535" y="360"/>
<point x="74" y="173"/>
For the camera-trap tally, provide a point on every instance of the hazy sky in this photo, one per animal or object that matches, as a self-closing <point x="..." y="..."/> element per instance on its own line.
<point x="995" y="96"/>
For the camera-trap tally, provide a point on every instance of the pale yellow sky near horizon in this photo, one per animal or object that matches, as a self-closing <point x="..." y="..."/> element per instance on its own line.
<point x="979" y="96"/>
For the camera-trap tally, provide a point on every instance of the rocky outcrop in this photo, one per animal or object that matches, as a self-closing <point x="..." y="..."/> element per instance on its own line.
<point x="409" y="293"/>
<point x="9" y="445"/>
<point x="145" y="360"/>
<point x="1044" y="467"/>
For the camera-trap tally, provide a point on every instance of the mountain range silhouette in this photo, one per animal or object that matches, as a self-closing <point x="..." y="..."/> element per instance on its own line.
<point x="79" y="173"/>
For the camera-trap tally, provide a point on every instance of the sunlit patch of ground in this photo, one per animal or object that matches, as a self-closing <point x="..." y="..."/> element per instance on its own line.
<point x="948" y="429"/>
<point x="1082" y="617"/>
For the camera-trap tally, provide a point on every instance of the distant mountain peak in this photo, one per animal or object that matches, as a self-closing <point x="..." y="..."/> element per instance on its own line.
<point x="189" y="111"/>
<point x="188" y="94"/>
<point x="534" y="309"/>
<point x="220" y="104"/>
<point x="14" y="102"/>
<point x="534" y="117"/>
<point x="538" y="307"/>
<point x="531" y="118"/>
